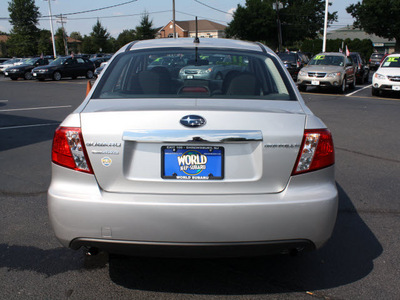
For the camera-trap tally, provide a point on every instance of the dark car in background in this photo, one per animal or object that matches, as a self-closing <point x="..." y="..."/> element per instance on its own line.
<point x="68" y="66"/>
<point x="100" y="69"/>
<point x="375" y="60"/>
<point x="362" y="69"/>
<point x="25" y="70"/>
<point x="293" y="61"/>
<point x="98" y="60"/>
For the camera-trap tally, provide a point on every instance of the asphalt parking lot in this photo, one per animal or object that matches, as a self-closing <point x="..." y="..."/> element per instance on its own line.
<point x="359" y="262"/>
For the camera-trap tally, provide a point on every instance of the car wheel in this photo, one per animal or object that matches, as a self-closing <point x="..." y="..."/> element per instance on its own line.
<point x="375" y="92"/>
<point x="28" y="76"/>
<point x="353" y="84"/>
<point x="89" y="74"/>
<point x="302" y="88"/>
<point x="342" y="88"/>
<point x="56" y="76"/>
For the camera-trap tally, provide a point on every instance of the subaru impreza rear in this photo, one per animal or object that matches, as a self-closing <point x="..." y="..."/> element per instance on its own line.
<point x="154" y="164"/>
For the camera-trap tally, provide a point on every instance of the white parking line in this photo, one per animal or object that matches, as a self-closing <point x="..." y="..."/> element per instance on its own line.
<point x="34" y="108"/>
<point x="28" y="126"/>
<point x="347" y="95"/>
<point x="3" y="100"/>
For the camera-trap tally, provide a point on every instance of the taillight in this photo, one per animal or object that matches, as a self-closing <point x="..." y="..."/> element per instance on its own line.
<point x="316" y="151"/>
<point x="69" y="150"/>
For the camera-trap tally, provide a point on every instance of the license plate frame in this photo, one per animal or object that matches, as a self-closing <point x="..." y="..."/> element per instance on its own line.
<point x="208" y="159"/>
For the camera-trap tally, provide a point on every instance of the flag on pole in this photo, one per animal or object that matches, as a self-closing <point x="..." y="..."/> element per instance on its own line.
<point x="347" y="51"/>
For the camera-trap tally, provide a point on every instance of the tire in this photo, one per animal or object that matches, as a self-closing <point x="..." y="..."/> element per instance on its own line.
<point x="56" y="76"/>
<point x="89" y="74"/>
<point x="375" y="92"/>
<point x="342" y="88"/>
<point x="367" y="77"/>
<point x="28" y="76"/>
<point x="353" y="84"/>
<point x="302" y="88"/>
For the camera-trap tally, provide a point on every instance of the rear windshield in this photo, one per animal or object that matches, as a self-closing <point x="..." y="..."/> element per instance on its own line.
<point x="328" y="60"/>
<point x="290" y="57"/>
<point x="377" y="55"/>
<point x="187" y="73"/>
<point x="391" y="62"/>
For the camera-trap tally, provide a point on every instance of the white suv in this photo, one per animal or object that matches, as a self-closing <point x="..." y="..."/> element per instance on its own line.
<point x="387" y="77"/>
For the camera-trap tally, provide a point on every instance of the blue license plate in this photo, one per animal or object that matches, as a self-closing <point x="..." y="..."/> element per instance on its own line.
<point x="192" y="162"/>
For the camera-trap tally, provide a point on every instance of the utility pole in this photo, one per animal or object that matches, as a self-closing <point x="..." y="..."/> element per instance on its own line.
<point x="63" y="30"/>
<point x="325" y="25"/>
<point x="173" y="17"/>
<point x="52" y="32"/>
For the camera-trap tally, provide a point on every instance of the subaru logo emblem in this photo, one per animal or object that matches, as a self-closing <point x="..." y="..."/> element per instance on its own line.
<point x="192" y="121"/>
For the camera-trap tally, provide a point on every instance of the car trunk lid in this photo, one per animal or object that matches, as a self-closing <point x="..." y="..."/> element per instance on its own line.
<point x="128" y="140"/>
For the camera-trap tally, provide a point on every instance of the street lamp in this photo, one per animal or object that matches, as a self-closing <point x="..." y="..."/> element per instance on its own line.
<point x="276" y="6"/>
<point x="51" y="28"/>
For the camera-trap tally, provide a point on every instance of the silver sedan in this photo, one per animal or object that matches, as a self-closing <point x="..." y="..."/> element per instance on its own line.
<point x="154" y="164"/>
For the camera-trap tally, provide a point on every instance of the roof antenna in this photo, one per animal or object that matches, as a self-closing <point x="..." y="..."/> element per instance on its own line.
<point x="196" y="39"/>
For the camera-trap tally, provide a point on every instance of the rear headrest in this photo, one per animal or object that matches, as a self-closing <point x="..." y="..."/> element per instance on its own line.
<point x="241" y="83"/>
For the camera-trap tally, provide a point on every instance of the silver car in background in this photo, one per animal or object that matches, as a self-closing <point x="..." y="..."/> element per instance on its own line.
<point x="328" y="69"/>
<point x="154" y="164"/>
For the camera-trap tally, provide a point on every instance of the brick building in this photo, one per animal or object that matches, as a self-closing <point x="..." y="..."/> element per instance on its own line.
<point x="206" y="29"/>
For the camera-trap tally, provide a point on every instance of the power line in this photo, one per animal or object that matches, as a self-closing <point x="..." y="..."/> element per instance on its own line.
<point x="216" y="9"/>
<point x="118" y="16"/>
<point x="97" y="9"/>
<point x="80" y="12"/>
<point x="181" y="12"/>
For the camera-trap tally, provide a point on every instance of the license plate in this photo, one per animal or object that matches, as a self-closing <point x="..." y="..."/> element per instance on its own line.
<point x="5" y="73"/>
<point x="396" y="88"/>
<point x="192" y="162"/>
<point x="34" y="74"/>
<point x="315" y="82"/>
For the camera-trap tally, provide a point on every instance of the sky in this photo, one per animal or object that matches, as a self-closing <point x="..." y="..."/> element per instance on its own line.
<point x="127" y="16"/>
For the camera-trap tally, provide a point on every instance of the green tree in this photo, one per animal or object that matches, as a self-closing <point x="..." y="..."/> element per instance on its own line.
<point x="100" y="38"/>
<point x="257" y="20"/>
<point x="24" y="15"/>
<point x="59" y="40"/>
<point x="303" y="19"/>
<point x="45" y="45"/>
<point x="378" y="17"/>
<point x="126" y="36"/>
<point x="75" y="46"/>
<point x="87" y="45"/>
<point x="145" y="30"/>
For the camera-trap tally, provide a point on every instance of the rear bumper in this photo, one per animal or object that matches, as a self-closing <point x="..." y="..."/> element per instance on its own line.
<point x="302" y="216"/>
